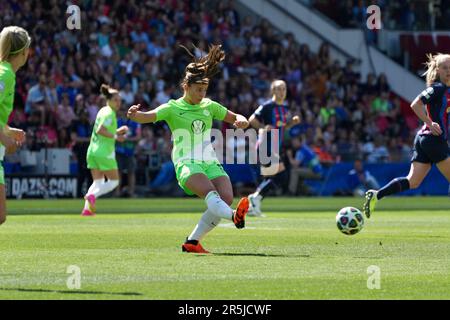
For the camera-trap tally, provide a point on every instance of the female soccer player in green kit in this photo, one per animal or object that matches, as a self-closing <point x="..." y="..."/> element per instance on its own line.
<point x="101" y="154"/>
<point x="14" y="48"/>
<point x="190" y="120"/>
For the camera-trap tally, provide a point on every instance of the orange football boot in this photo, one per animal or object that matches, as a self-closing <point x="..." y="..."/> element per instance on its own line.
<point x="240" y="213"/>
<point x="193" y="248"/>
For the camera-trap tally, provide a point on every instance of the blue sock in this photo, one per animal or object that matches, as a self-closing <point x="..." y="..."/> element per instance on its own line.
<point x="395" y="186"/>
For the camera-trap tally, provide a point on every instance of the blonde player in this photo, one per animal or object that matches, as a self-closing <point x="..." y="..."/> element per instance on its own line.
<point x="14" y="48"/>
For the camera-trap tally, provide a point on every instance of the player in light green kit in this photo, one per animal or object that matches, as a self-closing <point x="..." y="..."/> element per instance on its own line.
<point x="101" y="154"/>
<point x="197" y="168"/>
<point x="14" y="49"/>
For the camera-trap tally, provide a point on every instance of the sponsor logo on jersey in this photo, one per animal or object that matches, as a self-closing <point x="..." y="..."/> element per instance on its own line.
<point x="198" y="126"/>
<point x="427" y="92"/>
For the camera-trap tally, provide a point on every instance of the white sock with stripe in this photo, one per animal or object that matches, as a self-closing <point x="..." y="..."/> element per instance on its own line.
<point x="207" y="222"/>
<point x="217" y="206"/>
<point x="107" y="187"/>
<point x="93" y="189"/>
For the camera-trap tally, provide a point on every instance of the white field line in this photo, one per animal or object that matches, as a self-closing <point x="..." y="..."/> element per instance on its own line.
<point x="231" y="225"/>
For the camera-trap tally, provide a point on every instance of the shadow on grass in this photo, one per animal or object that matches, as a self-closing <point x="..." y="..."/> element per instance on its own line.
<point x="72" y="291"/>
<point x="264" y="255"/>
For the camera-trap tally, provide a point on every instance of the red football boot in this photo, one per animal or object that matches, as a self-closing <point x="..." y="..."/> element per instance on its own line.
<point x="193" y="248"/>
<point x="240" y="213"/>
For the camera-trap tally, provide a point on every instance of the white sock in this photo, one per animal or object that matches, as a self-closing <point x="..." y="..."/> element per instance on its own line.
<point x="107" y="187"/>
<point x="93" y="189"/>
<point x="207" y="222"/>
<point x="218" y="207"/>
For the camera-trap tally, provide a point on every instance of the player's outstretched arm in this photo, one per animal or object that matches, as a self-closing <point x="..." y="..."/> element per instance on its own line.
<point x="104" y="132"/>
<point x="9" y="142"/>
<point x="139" y="116"/>
<point x="17" y="134"/>
<point x="122" y="130"/>
<point x="254" y="122"/>
<point x="238" y="120"/>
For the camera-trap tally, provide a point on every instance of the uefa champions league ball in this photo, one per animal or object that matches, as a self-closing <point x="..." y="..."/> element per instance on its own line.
<point x="349" y="220"/>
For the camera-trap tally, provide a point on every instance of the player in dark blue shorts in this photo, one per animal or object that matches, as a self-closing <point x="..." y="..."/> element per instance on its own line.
<point x="431" y="146"/>
<point x="273" y="114"/>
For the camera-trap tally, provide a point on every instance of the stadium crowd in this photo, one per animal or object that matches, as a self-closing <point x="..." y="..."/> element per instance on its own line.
<point x="134" y="46"/>
<point x="414" y="15"/>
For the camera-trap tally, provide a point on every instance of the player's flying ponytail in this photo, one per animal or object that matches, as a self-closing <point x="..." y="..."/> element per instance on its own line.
<point x="107" y="91"/>
<point x="201" y="70"/>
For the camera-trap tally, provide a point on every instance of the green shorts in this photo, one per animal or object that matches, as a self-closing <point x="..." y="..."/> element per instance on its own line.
<point x="101" y="163"/>
<point x="2" y="174"/>
<point x="185" y="169"/>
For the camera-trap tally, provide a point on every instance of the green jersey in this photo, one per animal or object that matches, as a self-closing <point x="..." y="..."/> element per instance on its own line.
<point x="7" y="84"/>
<point x="102" y="146"/>
<point x="191" y="127"/>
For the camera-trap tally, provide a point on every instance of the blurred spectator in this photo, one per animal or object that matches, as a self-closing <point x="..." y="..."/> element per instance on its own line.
<point x="304" y="164"/>
<point x="360" y="180"/>
<point x="125" y="152"/>
<point x="81" y="131"/>
<point x="64" y="117"/>
<point x="382" y="104"/>
<point x="378" y="153"/>
<point x="323" y="153"/>
<point x="154" y="154"/>
<point x="399" y="15"/>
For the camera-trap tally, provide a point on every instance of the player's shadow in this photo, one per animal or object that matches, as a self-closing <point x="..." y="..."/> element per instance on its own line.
<point x="72" y="291"/>
<point x="264" y="255"/>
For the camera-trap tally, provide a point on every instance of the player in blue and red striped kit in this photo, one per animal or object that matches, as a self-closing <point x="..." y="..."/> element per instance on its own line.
<point x="273" y="114"/>
<point x="431" y="146"/>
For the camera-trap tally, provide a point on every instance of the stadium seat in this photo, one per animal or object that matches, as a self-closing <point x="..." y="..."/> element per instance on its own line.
<point x="443" y="43"/>
<point x="426" y="41"/>
<point x="425" y="45"/>
<point x="408" y="46"/>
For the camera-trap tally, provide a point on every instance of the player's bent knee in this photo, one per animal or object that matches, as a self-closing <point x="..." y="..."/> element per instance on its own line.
<point x="227" y="198"/>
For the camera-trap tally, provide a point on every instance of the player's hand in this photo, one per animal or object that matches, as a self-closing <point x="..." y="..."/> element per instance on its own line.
<point x="132" y="111"/>
<point x="122" y="130"/>
<point x="269" y="127"/>
<point x="11" y="145"/>
<point x="296" y="120"/>
<point x="120" y="138"/>
<point x="241" y="122"/>
<point x="18" y="135"/>
<point x="435" y="129"/>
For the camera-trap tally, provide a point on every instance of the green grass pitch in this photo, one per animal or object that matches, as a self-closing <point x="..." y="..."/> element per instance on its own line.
<point x="131" y="250"/>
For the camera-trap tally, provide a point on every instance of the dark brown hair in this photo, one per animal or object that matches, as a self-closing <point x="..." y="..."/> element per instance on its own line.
<point x="202" y="70"/>
<point x="107" y="91"/>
